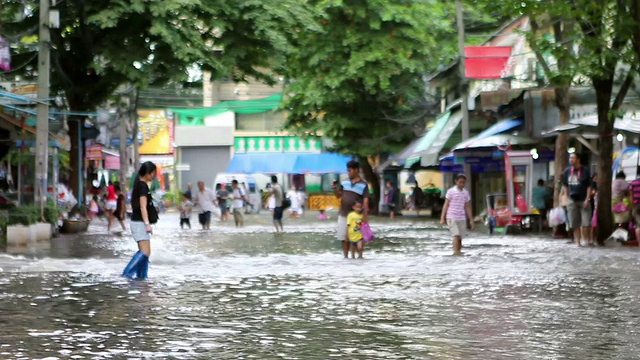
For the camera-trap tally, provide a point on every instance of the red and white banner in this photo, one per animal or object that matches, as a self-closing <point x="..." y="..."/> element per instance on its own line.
<point x="94" y="152"/>
<point x="112" y="162"/>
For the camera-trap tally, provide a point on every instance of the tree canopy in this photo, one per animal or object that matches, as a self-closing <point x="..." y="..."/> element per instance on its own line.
<point x="102" y="44"/>
<point x="603" y="53"/>
<point x="357" y="78"/>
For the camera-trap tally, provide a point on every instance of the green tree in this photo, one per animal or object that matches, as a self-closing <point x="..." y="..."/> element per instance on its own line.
<point x="602" y="33"/>
<point x="357" y="77"/>
<point x="103" y="44"/>
<point x="559" y="74"/>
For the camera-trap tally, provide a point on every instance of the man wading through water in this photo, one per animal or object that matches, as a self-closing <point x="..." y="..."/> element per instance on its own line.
<point x="576" y="183"/>
<point x="349" y="191"/>
<point x="456" y="211"/>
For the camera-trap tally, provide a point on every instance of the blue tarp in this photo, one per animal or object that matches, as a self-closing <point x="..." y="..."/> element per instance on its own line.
<point x="499" y="128"/>
<point x="323" y="163"/>
<point x="32" y="143"/>
<point x="493" y="130"/>
<point x="289" y="163"/>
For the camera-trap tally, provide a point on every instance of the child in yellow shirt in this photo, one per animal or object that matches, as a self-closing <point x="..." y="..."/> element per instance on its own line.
<point x="353" y="229"/>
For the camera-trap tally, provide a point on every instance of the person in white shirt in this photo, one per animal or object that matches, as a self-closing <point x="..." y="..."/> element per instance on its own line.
<point x="271" y="200"/>
<point x="277" y="195"/>
<point x="205" y="199"/>
<point x="239" y="196"/>
<point x="302" y="200"/>
<point x="295" y="202"/>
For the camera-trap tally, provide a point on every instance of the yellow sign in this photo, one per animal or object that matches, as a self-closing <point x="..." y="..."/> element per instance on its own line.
<point x="156" y="132"/>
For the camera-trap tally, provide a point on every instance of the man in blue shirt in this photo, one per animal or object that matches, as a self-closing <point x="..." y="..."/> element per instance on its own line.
<point x="349" y="191"/>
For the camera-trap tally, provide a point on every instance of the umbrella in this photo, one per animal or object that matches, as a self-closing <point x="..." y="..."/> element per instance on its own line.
<point x="493" y="141"/>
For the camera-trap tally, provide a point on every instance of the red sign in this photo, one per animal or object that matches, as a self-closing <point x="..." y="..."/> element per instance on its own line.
<point x="94" y="152"/>
<point x="112" y="162"/>
<point x="486" y="62"/>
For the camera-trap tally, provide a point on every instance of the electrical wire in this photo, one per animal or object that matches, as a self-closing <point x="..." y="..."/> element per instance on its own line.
<point x="12" y="39"/>
<point x="19" y="67"/>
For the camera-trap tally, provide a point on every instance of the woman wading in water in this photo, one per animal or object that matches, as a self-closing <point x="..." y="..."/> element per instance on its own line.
<point x="143" y="215"/>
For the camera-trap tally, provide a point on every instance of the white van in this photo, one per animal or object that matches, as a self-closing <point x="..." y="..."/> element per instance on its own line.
<point x="250" y="186"/>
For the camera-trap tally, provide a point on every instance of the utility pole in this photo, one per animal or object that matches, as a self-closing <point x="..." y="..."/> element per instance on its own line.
<point x="42" y="128"/>
<point x="133" y="116"/>
<point x="464" y="85"/>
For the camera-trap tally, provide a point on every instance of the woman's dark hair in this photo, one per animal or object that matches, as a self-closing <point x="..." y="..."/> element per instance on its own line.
<point x="540" y="182"/>
<point x="146" y="168"/>
<point x="621" y="175"/>
<point x="116" y="186"/>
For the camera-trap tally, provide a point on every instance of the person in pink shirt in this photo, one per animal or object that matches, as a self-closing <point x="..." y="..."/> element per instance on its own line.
<point x="456" y="212"/>
<point x="634" y="188"/>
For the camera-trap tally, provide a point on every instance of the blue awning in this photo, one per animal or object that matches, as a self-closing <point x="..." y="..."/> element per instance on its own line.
<point x="450" y="164"/>
<point x="495" y="129"/>
<point x="289" y="163"/>
<point x="500" y="127"/>
<point x="32" y="143"/>
<point x="322" y="163"/>
<point x="270" y="163"/>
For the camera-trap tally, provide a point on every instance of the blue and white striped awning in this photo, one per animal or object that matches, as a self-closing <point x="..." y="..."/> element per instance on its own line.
<point x="288" y="163"/>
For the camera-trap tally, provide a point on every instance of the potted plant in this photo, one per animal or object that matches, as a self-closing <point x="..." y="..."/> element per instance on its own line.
<point x="20" y="226"/>
<point x="168" y="199"/>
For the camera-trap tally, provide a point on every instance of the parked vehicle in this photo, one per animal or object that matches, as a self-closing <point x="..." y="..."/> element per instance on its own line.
<point x="254" y="201"/>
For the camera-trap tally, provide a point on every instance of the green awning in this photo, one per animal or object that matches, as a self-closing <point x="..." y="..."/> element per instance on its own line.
<point x="196" y="116"/>
<point x="410" y="161"/>
<point x="428" y="149"/>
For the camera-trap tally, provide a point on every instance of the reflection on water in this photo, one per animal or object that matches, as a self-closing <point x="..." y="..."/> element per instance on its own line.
<point x="247" y="293"/>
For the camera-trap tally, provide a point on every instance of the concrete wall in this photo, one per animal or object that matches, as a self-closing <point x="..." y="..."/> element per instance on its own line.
<point x="205" y="163"/>
<point x="203" y="136"/>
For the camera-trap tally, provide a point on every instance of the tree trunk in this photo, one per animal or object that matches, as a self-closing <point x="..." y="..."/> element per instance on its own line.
<point x="124" y="162"/>
<point x="372" y="178"/>
<point x="604" y="91"/>
<point x="563" y="103"/>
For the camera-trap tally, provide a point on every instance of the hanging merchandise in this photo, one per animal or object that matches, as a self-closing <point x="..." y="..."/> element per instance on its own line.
<point x="5" y="55"/>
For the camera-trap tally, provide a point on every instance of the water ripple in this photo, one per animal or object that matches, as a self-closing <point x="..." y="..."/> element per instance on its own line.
<point x="250" y="294"/>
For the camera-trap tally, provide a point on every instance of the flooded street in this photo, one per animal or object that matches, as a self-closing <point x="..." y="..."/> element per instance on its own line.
<point x="250" y="294"/>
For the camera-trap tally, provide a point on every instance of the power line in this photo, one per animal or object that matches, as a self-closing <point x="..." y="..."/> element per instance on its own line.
<point x="14" y="69"/>
<point x="12" y="39"/>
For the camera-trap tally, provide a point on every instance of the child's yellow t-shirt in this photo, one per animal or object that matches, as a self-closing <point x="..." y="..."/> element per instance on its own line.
<point x="353" y="226"/>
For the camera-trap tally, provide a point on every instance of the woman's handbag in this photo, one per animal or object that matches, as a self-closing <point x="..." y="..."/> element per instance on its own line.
<point x="152" y="212"/>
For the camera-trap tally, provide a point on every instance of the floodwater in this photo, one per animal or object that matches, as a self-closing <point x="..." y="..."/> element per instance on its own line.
<point x="249" y="294"/>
